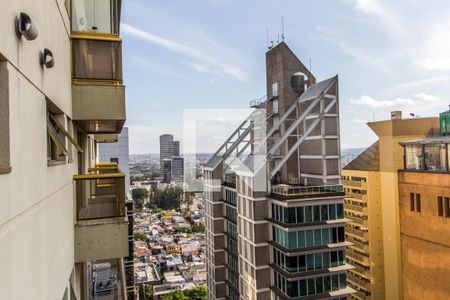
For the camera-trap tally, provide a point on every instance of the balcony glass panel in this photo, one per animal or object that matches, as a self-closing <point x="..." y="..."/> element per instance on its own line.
<point x="435" y="158"/>
<point x="100" y="195"/>
<point x="96" y="16"/>
<point x="414" y="157"/>
<point x="97" y="60"/>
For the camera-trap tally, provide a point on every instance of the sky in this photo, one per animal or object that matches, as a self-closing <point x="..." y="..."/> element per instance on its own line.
<point x="180" y="56"/>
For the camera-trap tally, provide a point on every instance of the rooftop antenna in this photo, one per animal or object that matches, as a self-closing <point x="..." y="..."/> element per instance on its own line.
<point x="267" y="38"/>
<point x="282" y="28"/>
<point x="278" y="40"/>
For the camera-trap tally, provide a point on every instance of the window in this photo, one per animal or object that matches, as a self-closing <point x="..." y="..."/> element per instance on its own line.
<point x="5" y="166"/>
<point x="99" y="16"/>
<point x="440" y="206"/>
<point x="114" y="160"/>
<point x="275" y="106"/>
<point x="56" y="136"/>
<point x="97" y="60"/>
<point x="417" y="202"/>
<point x="275" y="89"/>
<point x="411" y="200"/>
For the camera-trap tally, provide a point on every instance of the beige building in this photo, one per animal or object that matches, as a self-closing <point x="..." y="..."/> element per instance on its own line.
<point x="424" y="193"/>
<point x="63" y="226"/>
<point x="279" y="234"/>
<point x="370" y="182"/>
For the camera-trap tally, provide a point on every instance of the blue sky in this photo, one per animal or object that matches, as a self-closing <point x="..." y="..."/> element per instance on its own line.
<point x="209" y="54"/>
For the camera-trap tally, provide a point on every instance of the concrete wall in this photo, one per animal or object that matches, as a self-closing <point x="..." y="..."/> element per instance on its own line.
<point x="425" y="236"/>
<point x="36" y="201"/>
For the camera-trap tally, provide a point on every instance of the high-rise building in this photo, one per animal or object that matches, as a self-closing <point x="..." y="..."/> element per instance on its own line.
<point x="166" y="147"/>
<point x="63" y="224"/>
<point x="370" y="183"/>
<point x="177" y="169"/>
<point x="424" y="208"/>
<point x="169" y="152"/>
<point x="118" y="152"/>
<point x="279" y="234"/>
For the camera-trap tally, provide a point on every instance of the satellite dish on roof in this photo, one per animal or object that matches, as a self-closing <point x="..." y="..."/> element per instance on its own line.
<point x="298" y="82"/>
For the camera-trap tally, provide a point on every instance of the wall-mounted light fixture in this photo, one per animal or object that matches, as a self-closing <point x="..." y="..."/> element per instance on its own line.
<point x="47" y="59"/>
<point x="25" y="27"/>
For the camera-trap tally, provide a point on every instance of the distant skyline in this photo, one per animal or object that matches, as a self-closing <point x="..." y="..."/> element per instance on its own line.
<point x="179" y="55"/>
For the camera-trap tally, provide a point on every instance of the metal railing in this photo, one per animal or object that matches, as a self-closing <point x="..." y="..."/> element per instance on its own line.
<point x="352" y="183"/>
<point x="100" y="194"/>
<point x="357" y="232"/>
<point x="354" y="195"/>
<point x="354" y="207"/>
<point x="255" y="103"/>
<point x="358" y="220"/>
<point x="359" y="282"/>
<point x="287" y="190"/>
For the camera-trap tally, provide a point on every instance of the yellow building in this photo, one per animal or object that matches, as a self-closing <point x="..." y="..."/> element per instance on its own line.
<point x="370" y="182"/>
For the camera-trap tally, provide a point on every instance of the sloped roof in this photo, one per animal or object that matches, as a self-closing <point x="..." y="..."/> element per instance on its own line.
<point x="315" y="90"/>
<point x="368" y="160"/>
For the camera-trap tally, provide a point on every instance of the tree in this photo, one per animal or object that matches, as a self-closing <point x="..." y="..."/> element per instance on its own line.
<point x="148" y="290"/>
<point x="200" y="228"/>
<point x="139" y="236"/>
<point x="140" y="194"/>
<point x="198" y="293"/>
<point x="169" y="198"/>
<point x="177" y="295"/>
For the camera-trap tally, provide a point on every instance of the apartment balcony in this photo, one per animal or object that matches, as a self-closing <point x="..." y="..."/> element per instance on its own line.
<point x="286" y="191"/>
<point x="107" y="280"/>
<point x="230" y="180"/>
<point x="357" y="232"/>
<point x="355" y="208"/>
<point x="359" y="245"/>
<point x="101" y="229"/>
<point x="354" y="256"/>
<point x="357" y="219"/>
<point x="362" y="272"/>
<point x="359" y="282"/>
<point x="355" y="184"/>
<point x="355" y="196"/>
<point x="98" y="96"/>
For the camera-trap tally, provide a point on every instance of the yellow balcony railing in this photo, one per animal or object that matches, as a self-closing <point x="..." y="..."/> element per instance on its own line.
<point x="357" y="232"/>
<point x="356" y="208"/>
<point x="364" y="284"/>
<point x="100" y="194"/>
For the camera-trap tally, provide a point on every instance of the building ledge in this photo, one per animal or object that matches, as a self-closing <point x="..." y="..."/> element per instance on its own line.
<point x="309" y="273"/>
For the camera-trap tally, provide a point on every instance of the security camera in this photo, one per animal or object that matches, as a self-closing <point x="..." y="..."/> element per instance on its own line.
<point x="47" y="59"/>
<point x="26" y="28"/>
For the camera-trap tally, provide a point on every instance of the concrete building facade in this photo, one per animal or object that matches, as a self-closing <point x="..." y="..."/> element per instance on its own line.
<point x="51" y="113"/>
<point x="370" y="183"/>
<point x="424" y="209"/>
<point x="279" y="234"/>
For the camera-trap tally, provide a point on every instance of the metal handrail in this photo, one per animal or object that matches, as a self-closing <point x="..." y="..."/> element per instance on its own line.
<point x="287" y="190"/>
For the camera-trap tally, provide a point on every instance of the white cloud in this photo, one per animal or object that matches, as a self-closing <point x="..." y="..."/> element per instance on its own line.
<point x="360" y="121"/>
<point x="436" y="48"/>
<point x="202" y="60"/>
<point x="389" y="19"/>
<point x="419" y="101"/>
<point x="336" y="38"/>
